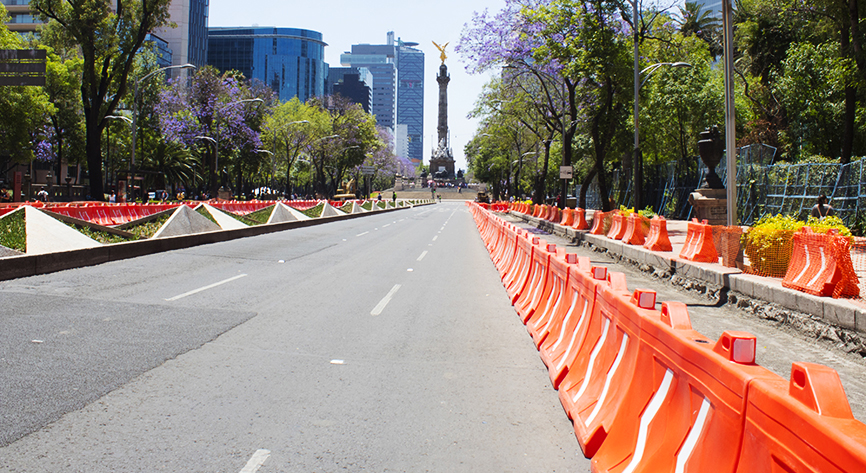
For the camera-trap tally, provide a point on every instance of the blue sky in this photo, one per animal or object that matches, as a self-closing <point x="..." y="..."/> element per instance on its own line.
<point x="346" y="22"/>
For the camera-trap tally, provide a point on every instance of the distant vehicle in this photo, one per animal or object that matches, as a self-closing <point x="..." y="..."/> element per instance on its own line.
<point x="482" y="197"/>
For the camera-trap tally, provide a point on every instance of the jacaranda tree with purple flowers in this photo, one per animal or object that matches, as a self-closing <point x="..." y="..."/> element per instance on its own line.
<point x="577" y="52"/>
<point x="209" y="111"/>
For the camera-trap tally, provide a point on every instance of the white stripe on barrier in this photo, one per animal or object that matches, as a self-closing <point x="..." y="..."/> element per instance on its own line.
<point x="550" y="300"/>
<point x="610" y="375"/>
<point x="565" y="322"/>
<point x="823" y="267"/>
<point x="647" y="417"/>
<point x="692" y="439"/>
<point x="592" y="356"/>
<point x="555" y="306"/>
<point x="806" y="267"/>
<point x="538" y="286"/>
<point x="567" y="354"/>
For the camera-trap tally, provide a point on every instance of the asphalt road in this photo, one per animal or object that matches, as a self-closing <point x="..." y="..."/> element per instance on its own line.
<point x="384" y="343"/>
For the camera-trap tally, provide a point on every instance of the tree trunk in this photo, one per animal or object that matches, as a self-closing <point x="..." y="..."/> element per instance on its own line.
<point x="93" y="150"/>
<point x="584" y="187"/>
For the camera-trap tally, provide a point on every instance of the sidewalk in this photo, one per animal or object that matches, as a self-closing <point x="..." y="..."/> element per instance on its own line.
<point x="846" y="313"/>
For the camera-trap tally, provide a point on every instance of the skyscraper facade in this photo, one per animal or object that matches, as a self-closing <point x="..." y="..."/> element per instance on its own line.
<point x="354" y="83"/>
<point x="188" y="42"/>
<point x="289" y="60"/>
<point x="410" y="98"/>
<point x="398" y="86"/>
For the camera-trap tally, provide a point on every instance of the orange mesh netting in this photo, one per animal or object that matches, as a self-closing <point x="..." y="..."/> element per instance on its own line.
<point x="767" y="250"/>
<point x="727" y="241"/>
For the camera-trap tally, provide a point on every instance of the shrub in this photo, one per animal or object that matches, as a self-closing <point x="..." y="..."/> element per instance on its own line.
<point x="768" y="243"/>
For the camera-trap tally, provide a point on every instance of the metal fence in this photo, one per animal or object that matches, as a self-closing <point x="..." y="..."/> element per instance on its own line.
<point x="762" y="188"/>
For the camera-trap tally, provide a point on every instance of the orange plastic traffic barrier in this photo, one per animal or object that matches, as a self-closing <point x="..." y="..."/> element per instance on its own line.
<point x="554" y="294"/>
<point x="569" y="316"/>
<point x="657" y="239"/>
<point x="580" y="219"/>
<point x="699" y="246"/>
<point x="594" y="405"/>
<point x="536" y="209"/>
<point x="527" y="302"/>
<point x="617" y="228"/>
<point x="562" y="369"/>
<point x="685" y="406"/>
<point x="520" y="269"/>
<point x="635" y="231"/>
<point x="821" y="265"/>
<point x="598" y="223"/>
<point x="803" y="425"/>
<point x="506" y="250"/>
<point x="567" y="217"/>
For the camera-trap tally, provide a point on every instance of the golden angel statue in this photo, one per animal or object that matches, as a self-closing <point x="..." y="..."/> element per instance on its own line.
<point x="441" y="49"/>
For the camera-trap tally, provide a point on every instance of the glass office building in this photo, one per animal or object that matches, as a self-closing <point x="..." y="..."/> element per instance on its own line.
<point x="289" y="60"/>
<point x="410" y="97"/>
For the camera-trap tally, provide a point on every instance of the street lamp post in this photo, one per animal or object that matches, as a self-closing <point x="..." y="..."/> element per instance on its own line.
<point x="108" y="179"/>
<point x="273" y="167"/>
<point x="637" y="161"/>
<point x="135" y="112"/>
<point x="214" y="189"/>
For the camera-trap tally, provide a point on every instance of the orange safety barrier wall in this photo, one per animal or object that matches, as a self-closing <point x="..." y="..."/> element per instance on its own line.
<point x="821" y="265"/>
<point x="580" y="220"/>
<point x="658" y="239"/>
<point x="598" y="223"/>
<point x="826" y="438"/>
<point x="699" y="246"/>
<point x="617" y="229"/>
<point x="647" y="393"/>
<point x="567" y="217"/>
<point x="635" y="229"/>
<point x="528" y="301"/>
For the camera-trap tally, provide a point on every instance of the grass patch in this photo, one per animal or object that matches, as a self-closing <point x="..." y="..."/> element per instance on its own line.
<point x="367" y="206"/>
<point x="314" y="212"/>
<point x="243" y="219"/>
<point x="204" y="213"/>
<point x="260" y="216"/>
<point x="347" y="207"/>
<point x="381" y="204"/>
<point x="13" y="233"/>
<point x="102" y="237"/>
<point x="149" y="229"/>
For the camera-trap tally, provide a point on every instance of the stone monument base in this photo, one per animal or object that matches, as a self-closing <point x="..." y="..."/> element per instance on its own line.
<point x="710" y="205"/>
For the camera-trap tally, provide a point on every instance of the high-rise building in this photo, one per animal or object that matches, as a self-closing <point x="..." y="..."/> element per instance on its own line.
<point x="188" y="42"/>
<point x="289" y="60"/>
<point x="354" y="83"/>
<point x="398" y="86"/>
<point x="410" y="98"/>
<point x="21" y="19"/>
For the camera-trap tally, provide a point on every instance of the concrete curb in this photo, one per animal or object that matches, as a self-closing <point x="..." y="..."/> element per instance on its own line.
<point x="14" y="267"/>
<point x="840" y="312"/>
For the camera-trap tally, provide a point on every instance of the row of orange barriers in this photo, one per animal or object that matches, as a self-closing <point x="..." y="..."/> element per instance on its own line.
<point x="648" y="393"/>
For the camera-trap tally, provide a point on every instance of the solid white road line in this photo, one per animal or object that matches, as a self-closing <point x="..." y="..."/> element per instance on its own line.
<point x="211" y="286"/>
<point x="385" y="300"/>
<point x="256" y="461"/>
<point x="422" y="256"/>
<point x="362" y="234"/>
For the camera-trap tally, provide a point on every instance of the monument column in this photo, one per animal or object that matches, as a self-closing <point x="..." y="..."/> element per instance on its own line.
<point x="443" y="80"/>
<point x="442" y="161"/>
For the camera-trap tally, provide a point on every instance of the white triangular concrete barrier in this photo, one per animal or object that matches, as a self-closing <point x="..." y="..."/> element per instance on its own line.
<point x="357" y="209"/>
<point x="45" y="234"/>
<point x="224" y="220"/>
<point x="185" y="221"/>
<point x="328" y="210"/>
<point x="284" y="213"/>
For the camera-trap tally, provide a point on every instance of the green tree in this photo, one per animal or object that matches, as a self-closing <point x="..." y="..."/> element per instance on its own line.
<point x="23" y="110"/>
<point x="109" y="39"/>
